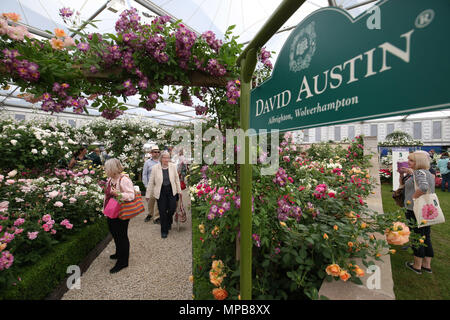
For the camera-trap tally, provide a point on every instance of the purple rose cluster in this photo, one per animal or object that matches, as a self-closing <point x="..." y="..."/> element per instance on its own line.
<point x="185" y="40"/>
<point x="111" y="114"/>
<point x="211" y="40"/>
<point x="25" y="69"/>
<point x="264" y="56"/>
<point x="233" y="91"/>
<point x="59" y="100"/>
<point x="201" y="110"/>
<point x="286" y="210"/>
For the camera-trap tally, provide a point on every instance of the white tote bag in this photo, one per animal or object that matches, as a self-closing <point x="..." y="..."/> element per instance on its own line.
<point x="427" y="209"/>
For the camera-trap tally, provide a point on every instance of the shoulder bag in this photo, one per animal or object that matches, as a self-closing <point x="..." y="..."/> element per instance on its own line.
<point x="427" y="209"/>
<point x="130" y="209"/>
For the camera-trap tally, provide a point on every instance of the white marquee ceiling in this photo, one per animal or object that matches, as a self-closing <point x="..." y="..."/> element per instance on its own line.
<point x="200" y="15"/>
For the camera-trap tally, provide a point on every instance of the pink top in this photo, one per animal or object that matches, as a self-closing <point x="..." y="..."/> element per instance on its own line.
<point x="126" y="187"/>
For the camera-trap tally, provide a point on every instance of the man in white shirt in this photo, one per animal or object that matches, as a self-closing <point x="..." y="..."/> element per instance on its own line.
<point x="148" y="165"/>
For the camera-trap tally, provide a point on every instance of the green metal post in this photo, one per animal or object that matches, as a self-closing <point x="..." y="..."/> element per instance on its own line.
<point x="247" y="62"/>
<point x="247" y="67"/>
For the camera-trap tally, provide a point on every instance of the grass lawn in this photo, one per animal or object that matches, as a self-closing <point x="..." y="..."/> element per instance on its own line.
<point x="411" y="286"/>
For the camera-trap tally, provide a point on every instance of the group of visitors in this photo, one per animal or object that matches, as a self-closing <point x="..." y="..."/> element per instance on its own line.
<point x="161" y="176"/>
<point x="98" y="156"/>
<point x="417" y="180"/>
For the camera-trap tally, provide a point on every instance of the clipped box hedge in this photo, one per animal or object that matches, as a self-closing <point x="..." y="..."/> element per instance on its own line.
<point x="40" y="279"/>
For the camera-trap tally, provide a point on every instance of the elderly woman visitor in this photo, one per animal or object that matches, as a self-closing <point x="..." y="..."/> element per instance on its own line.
<point x="164" y="185"/>
<point x="118" y="184"/>
<point x="419" y="165"/>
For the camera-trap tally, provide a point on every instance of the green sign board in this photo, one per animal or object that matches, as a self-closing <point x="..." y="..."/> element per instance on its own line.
<point x="335" y="69"/>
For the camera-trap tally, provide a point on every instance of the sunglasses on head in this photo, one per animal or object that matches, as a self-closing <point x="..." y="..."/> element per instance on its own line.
<point x="156" y="151"/>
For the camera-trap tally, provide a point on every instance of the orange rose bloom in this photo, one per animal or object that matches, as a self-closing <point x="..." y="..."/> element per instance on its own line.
<point x="12" y="16"/>
<point x="333" y="270"/>
<point x="350" y="244"/>
<point x="2" y="246"/>
<point x="335" y="227"/>
<point x="57" y="44"/>
<point x="60" y="33"/>
<point x="215" y="279"/>
<point x="220" y="294"/>
<point x="344" y="275"/>
<point x="359" y="272"/>
<point x="325" y="236"/>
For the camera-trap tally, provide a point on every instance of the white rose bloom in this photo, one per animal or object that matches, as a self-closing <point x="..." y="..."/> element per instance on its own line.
<point x="45" y="152"/>
<point x="34" y="151"/>
<point x="13" y="142"/>
<point x="18" y="135"/>
<point x="12" y="174"/>
<point x="61" y="143"/>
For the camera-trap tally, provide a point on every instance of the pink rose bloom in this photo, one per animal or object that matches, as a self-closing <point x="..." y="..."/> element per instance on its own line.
<point x="58" y="204"/>
<point x="53" y="231"/>
<point x="64" y="222"/>
<point x="4" y="206"/>
<point x="221" y="190"/>
<point x="19" y="222"/>
<point x="46" y="218"/>
<point x="1" y="176"/>
<point x="32" y="235"/>
<point x="7" y="237"/>
<point x="69" y="226"/>
<point x="92" y="172"/>
<point x="85" y="221"/>
<point x="47" y="227"/>
<point x="10" y="181"/>
<point x="72" y="200"/>
<point x="18" y="231"/>
<point x="53" y="194"/>
<point x="83" y="193"/>
<point x="85" y="171"/>
<point x="68" y="42"/>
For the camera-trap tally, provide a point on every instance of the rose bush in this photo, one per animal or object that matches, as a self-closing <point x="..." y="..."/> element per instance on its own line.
<point x="310" y="222"/>
<point x="35" y="144"/>
<point x="35" y="214"/>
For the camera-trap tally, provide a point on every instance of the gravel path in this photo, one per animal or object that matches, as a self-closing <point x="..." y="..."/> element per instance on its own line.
<point x="159" y="269"/>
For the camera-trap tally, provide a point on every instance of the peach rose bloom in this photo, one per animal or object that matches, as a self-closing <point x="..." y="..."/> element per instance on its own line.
<point x="215" y="279"/>
<point x="60" y="33"/>
<point x="220" y="294"/>
<point x="344" y="275"/>
<point x="57" y="44"/>
<point x="333" y="270"/>
<point x="12" y="16"/>
<point x="398" y="235"/>
<point x="217" y="265"/>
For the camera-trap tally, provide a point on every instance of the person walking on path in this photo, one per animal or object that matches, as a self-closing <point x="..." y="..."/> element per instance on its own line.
<point x="419" y="165"/>
<point x="443" y="165"/>
<point x="118" y="185"/>
<point x="148" y="165"/>
<point x="164" y="185"/>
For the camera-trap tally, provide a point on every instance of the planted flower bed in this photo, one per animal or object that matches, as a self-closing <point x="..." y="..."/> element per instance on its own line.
<point x="310" y="222"/>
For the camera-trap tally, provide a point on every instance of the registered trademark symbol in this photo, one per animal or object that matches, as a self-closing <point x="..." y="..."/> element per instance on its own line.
<point x="424" y="18"/>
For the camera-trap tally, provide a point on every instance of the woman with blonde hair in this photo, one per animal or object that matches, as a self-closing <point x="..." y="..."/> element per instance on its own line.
<point x="419" y="165"/>
<point x="164" y="185"/>
<point x="118" y="185"/>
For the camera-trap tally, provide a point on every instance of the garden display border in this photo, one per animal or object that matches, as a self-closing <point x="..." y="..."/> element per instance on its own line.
<point x="59" y="292"/>
<point x="46" y="279"/>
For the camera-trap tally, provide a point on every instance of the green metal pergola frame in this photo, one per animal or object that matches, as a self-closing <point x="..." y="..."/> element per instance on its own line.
<point x="247" y="61"/>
